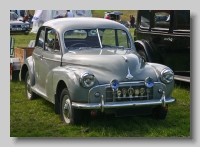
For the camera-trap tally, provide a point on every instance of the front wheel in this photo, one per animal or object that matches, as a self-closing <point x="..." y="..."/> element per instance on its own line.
<point x="29" y="93"/>
<point x="68" y="114"/>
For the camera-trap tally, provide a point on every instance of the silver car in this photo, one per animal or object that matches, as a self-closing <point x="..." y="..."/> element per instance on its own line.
<point x="91" y="65"/>
<point x="17" y="24"/>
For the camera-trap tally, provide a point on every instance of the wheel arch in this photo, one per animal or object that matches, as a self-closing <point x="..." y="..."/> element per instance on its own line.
<point x="149" y="50"/>
<point x="27" y="66"/>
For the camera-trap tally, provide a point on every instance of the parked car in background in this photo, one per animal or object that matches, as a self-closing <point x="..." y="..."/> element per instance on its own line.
<point x="17" y="26"/>
<point x="91" y="65"/>
<point x="163" y="36"/>
<point x="114" y="15"/>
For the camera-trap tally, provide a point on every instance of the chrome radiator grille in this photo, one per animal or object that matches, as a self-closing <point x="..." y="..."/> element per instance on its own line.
<point x="114" y="96"/>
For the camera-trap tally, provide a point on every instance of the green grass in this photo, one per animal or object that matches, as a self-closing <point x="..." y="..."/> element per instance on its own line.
<point x="36" y="118"/>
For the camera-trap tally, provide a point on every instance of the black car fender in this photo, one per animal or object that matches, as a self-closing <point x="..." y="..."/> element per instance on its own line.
<point x="148" y="49"/>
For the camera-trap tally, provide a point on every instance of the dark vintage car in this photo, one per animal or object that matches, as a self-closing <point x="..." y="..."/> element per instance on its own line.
<point x="163" y="36"/>
<point x="91" y="65"/>
<point x="17" y="25"/>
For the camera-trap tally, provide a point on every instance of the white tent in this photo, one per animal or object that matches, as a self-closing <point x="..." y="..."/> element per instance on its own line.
<point x="42" y="16"/>
<point x="82" y="13"/>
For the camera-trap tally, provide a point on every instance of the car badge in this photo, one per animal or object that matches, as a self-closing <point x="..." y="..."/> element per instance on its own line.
<point x="129" y="76"/>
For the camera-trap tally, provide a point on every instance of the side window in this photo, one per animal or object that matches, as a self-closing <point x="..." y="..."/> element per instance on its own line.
<point x="52" y="41"/>
<point x="108" y="37"/>
<point x="122" y="39"/>
<point x="40" y="41"/>
<point x="162" y="19"/>
<point x="144" y="20"/>
<point x="182" y="18"/>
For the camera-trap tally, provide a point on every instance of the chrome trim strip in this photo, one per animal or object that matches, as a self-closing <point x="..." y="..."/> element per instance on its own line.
<point x="108" y="105"/>
<point x="62" y="62"/>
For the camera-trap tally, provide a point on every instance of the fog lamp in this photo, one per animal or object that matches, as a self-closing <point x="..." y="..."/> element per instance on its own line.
<point x="114" y="84"/>
<point x="148" y="82"/>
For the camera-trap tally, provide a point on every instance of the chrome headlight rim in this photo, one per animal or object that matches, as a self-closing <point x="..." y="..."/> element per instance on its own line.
<point x="87" y="79"/>
<point x="167" y="75"/>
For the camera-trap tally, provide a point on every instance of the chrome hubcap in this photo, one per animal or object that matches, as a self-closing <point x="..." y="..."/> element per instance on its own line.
<point x="28" y="85"/>
<point x="66" y="109"/>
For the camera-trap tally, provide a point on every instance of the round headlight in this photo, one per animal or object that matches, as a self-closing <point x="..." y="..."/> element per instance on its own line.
<point x="148" y="82"/>
<point x="114" y="84"/>
<point x="167" y="76"/>
<point x="87" y="79"/>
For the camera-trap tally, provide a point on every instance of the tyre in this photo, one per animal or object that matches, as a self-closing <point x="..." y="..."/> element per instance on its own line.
<point x="160" y="112"/>
<point x="26" y="33"/>
<point x="142" y="53"/>
<point x="68" y="114"/>
<point x="29" y="93"/>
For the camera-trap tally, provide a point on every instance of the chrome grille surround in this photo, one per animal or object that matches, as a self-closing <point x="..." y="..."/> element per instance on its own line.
<point x="106" y="91"/>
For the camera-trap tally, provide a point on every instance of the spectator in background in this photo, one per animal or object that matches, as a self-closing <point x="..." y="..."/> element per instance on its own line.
<point x="132" y="21"/>
<point x="69" y="14"/>
<point x="26" y="15"/>
<point x="64" y="15"/>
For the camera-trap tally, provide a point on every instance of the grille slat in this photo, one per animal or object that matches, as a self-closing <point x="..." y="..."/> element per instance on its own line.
<point x="147" y="95"/>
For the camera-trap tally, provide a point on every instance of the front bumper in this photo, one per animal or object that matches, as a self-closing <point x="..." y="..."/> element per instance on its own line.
<point x="108" y="105"/>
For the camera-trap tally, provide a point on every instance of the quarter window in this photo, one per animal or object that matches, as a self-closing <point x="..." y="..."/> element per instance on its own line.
<point x="40" y="42"/>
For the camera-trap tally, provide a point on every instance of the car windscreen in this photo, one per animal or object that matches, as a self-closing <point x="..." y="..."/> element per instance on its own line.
<point x="13" y="16"/>
<point x="96" y="38"/>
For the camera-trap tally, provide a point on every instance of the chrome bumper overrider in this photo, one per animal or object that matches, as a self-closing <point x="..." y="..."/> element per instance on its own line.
<point x="102" y="105"/>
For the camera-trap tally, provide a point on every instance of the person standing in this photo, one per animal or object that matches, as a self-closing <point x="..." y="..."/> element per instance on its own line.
<point x="69" y="14"/>
<point x="26" y="15"/>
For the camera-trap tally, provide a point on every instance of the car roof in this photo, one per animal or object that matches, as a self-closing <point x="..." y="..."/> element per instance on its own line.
<point x="63" y="24"/>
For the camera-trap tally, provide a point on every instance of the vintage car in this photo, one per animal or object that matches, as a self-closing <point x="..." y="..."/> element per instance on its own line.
<point x="91" y="65"/>
<point x="17" y="25"/>
<point x="163" y="36"/>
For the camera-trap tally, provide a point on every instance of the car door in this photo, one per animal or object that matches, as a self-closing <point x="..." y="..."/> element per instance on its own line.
<point x="37" y="55"/>
<point x="50" y="58"/>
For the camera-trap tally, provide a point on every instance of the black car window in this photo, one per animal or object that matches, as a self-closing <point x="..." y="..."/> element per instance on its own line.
<point x="144" y="18"/>
<point x="161" y="19"/>
<point x="182" y="19"/>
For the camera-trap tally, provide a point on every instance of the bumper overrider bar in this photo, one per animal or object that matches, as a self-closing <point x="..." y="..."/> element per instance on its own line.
<point x="102" y="105"/>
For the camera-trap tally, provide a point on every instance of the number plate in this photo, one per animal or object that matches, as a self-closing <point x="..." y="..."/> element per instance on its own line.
<point x="16" y="29"/>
